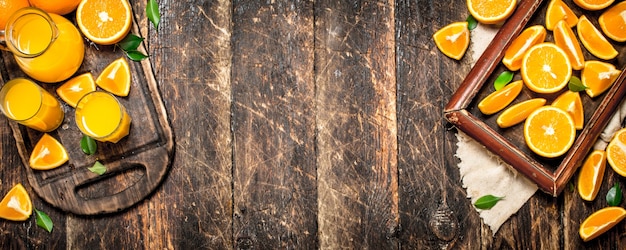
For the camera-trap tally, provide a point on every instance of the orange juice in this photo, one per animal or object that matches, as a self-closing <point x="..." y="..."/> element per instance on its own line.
<point x="47" y="47"/>
<point x="27" y="103"/>
<point x="100" y="116"/>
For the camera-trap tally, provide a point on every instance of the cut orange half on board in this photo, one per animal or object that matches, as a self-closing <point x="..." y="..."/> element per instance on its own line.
<point x="104" y="21"/>
<point x="514" y="54"/>
<point x="594" y="41"/>
<point x="613" y="22"/>
<point x="598" y="76"/>
<point x="453" y="40"/>
<point x="616" y="152"/>
<point x="600" y="221"/>
<point x="546" y="68"/>
<point x="491" y="11"/>
<point x="591" y="174"/>
<point x="549" y="131"/>
<point x="565" y="38"/>
<point x="518" y="112"/>
<point x="16" y="204"/>
<point x="593" y="4"/>
<point x="557" y="11"/>
<point x="501" y="98"/>
<point x="75" y="88"/>
<point x="115" y="78"/>
<point x="47" y="154"/>
<point x="571" y="103"/>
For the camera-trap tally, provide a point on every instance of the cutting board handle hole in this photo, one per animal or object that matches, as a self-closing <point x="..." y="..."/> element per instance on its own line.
<point x="112" y="183"/>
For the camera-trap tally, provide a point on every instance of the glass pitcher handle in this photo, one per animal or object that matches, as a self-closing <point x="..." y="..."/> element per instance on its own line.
<point x="3" y="44"/>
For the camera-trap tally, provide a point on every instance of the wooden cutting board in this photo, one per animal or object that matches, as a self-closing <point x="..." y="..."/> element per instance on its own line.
<point x="136" y="165"/>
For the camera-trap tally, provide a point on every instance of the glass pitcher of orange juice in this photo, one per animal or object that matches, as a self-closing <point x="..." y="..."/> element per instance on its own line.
<point x="47" y="47"/>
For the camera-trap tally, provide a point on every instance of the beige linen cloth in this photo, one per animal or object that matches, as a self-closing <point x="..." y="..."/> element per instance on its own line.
<point x="484" y="173"/>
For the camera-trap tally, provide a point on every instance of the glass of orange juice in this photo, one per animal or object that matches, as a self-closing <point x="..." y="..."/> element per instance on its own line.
<point x="30" y="105"/>
<point x="102" y="117"/>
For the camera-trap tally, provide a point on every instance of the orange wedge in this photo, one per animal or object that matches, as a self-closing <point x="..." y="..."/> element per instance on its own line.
<point x="47" y="154"/>
<point x="593" y="4"/>
<point x="518" y="112"/>
<point x="571" y="103"/>
<point x="491" y="11"/>
<point x="598" y="76"/>
<point x="546" y="68"/>
<point x="600" y="221"/>
<point x="501" y="98"/>
<point x="613" y="22"/>
<point x="565" y="38"/>
<point x="104" y="21"/>
<point x="557" y="11"/>
<point x="591" y="174"/>
<point x="60" y="7"/>
<point x="549" y="131"/>
<point x="16" y="204"/>
<point x="616" y="152"/>
<point x="115" y="78"/>
<point x="594" y="41"/>
<point x="515" y="52"/>
<point x="453" y="40"/>
<point x="75" y="88"/>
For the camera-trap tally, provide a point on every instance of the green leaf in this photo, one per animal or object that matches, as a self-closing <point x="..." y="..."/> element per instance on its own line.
<point x="487" y="201"/>
<point x="471" y="22"/>
<point x="503" y="79"/>
<point x="98" y="168"/>
<point x="135" y="55"/>
<point x="44" y="221"/>
<point x="130" y="42"/>
<point x="575" y="84"/>
<point x="614" y="196"/>
<point x="88" y="145"/>
<point x="152" y="10"/>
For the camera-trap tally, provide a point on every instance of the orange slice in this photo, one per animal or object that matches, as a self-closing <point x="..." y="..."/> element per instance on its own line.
<point x="515" y="52"/>
<point x="518" y="112"/>
<point x="571" y="103"/>
<point x="613" y="22"/>
<point x="594" y="41"/>
<point x="565" y="38"/>
<point x="104" y="21"/>
<point x="549" y="131"/>
<point x="546" y="68"/>
<point x="115" y="78"/>
<point x="591" y="174"/>
<point x="16" y="204"/>
<point x="616" y="152"/>
<point x="600" y="221"/>
<point x="7" y="7"/>
<point x="491" y="11"/>
<point x="75" y="88"/>
<point x="593" y="4"/>
<point x="60" y="7"/>
<point x="501" y="98"/>
<point x="598" y="76"/>
<point x="47" y="154"/>
<point x="557" y="11"/>
<point x="453" y="39"/>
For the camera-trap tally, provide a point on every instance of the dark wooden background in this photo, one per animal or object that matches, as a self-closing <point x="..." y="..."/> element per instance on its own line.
<point x="303" y="125"/>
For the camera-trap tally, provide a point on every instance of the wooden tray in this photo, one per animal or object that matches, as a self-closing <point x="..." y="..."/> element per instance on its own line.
<point x="136" y="165"/>
<point x="551" y="175"/>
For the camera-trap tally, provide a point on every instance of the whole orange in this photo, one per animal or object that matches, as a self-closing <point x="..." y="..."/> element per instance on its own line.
<point x="60" y="7"/>
<point x="7" y="7"/>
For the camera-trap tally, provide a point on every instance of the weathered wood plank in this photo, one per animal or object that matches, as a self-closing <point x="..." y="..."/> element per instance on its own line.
<point x="273" y="125"/>
<point x="356" y="122"/>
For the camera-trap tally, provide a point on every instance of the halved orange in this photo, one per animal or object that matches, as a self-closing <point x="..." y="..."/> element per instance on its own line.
<point x="593" y="4"/>
<point x="104" y="21"/>
<point x="598" y="76"/>
<point x="75" y="88"/>
<point x="60" y="7"/>
<point x="557" y="11"/>
<point x="549" y="131"/>
<point x="600" y="221"/>
<point x="491" y="11"/>
<point x="501" y="98"/>
<point x="47" y="154"/>
<point x="570" y="102"/>
<point x="546" y="68"/>
<point x="16" y="204"/>
<point x="565" y="38"/>
<point x="613" y="22"/>
<point x="514" y="54"/>
<point x="453" y="39"/>
<point x="115" y="78"/>
<point x="594" y="41"/>
<point x="518" y="112"/>
<point x="616" y="152"/>
<point x="591" y="174"/>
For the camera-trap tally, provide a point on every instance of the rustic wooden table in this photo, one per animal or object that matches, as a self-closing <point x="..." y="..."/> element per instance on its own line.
<point x="303" y="125"/>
